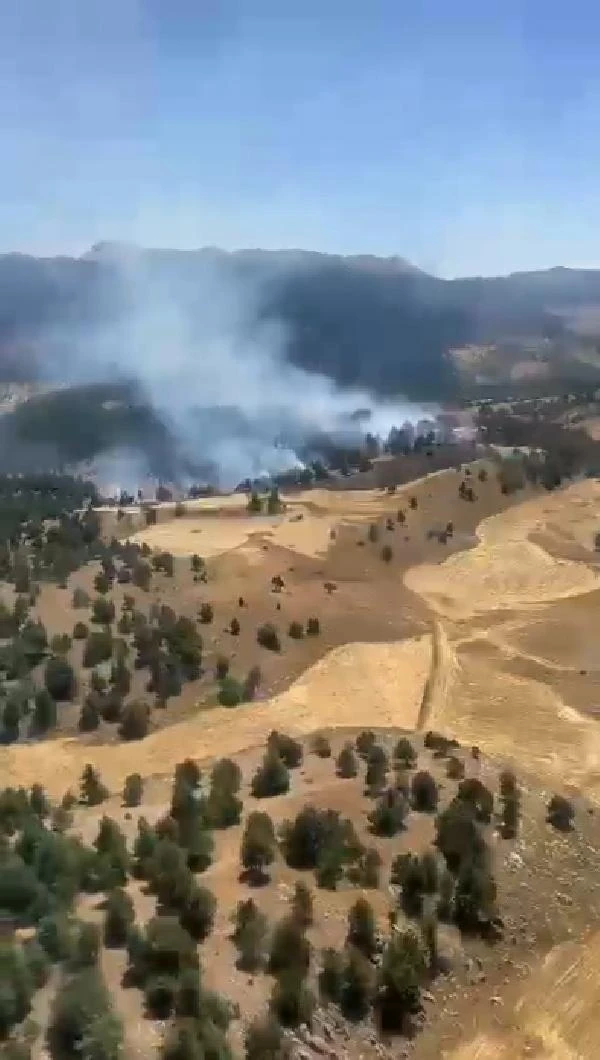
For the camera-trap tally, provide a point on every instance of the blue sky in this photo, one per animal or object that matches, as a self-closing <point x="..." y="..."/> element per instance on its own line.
<point x="460" y="134"/>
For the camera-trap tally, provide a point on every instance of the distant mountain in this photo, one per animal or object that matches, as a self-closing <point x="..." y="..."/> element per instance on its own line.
<point x="365" y="321"/>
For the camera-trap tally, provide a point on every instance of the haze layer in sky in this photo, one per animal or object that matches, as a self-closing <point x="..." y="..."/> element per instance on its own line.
<point x="462" y="135"/>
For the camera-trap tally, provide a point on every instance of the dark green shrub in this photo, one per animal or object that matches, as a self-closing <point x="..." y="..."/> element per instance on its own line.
<point x="119" y="917"/>
<point x="290" y="949"/>
<point x="346" y="763"/>
<point x="80" y="631"/>
<point x="59" y="679"/>
<point x="364" y="742"/>
<point x="250" y="936"/>
<point x="561" y="813"/>
<point x="389" y="814"/>
<point x="231" y="692"/>
<point x="133" y="790"/>
<point x="264" y="1041"/>
<point x="93" y="791"/>
<point x="103" y="611"/>
<point x="361" y="927"/>
<point x="135" y="720"/>
<point x="321" y="746"/>
<point x="268" y="637"/>
<point x="258" y="847"/>
<point x="302" y="905"/>
<point x="288" y="749"/>
<point x="424" y="792"/>
<point x="271" y="778"/>
<point x="292" y="1002"/>
<point x="405" y="754"/>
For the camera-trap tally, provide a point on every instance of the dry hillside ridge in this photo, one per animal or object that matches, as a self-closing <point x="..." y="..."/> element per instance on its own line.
<point x="338" y="691"/>
<point x="485" y="632"/>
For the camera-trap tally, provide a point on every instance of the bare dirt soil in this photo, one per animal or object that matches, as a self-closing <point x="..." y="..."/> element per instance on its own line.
<point x="503" y="995"/>
<point x="489" y="638"/>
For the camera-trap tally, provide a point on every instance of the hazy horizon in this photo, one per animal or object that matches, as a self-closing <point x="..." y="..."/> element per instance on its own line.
<point x="460" y="137"/>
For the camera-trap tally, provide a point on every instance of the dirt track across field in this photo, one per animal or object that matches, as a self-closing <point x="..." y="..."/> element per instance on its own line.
<point x="498" y="649"/>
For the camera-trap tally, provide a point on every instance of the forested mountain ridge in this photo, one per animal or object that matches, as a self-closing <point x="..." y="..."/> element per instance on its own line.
<point x="363" y="320"/>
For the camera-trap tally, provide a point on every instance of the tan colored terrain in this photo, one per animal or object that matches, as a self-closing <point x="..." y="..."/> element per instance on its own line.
<point x="497" y="610"/>
<point x="338" y="691"/>
<point x="515" y="616"/>
<point x="211" y="537"/>
<point x="500" y="650"/>
<point x="506" y="569"/>
<point x="554" y="1016"/>
<point x="305" y="527"/>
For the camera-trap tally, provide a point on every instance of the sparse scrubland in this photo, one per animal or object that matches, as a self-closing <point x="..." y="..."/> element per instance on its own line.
<point x="224" y="832"/>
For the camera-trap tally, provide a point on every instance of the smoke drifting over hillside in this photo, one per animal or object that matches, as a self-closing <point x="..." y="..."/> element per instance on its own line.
<point x="211" y="365"/>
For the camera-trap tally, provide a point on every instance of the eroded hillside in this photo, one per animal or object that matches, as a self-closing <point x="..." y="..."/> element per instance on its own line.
<point x="445" y="606"/>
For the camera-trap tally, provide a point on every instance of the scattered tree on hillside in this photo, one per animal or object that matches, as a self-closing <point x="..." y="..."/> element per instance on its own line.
<point x="135" y="720"/>
<point x="404" y="753"/>
<point x="561" y="813"/>
<point x="93" y="791"/>
<point x="258" y="847"/>
<point x="361" y="928"/>
<point x="389" y="814"/>
<point x="231" y="692"/>
<point x="268" y="637"/>
<point x="103" y="611"/>
<point x="321" y="746"/>
<point x="250" y="936"/>
<point x="44" y="712"/>
<point x="400" y="978"/>
<point x="98" y="648"/>
<point x="377" y="766"/>
<point x="82" y="1020"/>
<point x="292" y="1001"/>
<point x="302" y="905"/>
<point x="510" y="798"/>
<point x="80" y="598"/>
<point x="264" y="1040"/>
<point x="424" y="792"/>
<point x="346" y="762"/>
<point x="455" y="769"/>
<point x="364" y="742"/>
<point x="271" y="778"/>
<point x="474" y="791"/>
<point x="288" y="749"/>
<point x="133" y="790"/>
<point x="290" y="949"/>
<point x="89" y="716"/>
<point x="252" y="683"/>
<point x="223" y="807"/>
<point x="80" y="631"/>
<point x="59" y="679"/>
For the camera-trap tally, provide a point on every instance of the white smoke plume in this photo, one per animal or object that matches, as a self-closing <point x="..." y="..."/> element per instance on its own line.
<point x="215" y="373"/>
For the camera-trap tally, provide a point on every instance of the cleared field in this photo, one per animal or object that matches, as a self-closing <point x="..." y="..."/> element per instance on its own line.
<point x="214" y="525"/>
<point x="556" y="1016"/>
<point x="213" y="535"/>
<point x="358" y="684"/>
<point x="512" y="626"/>
<point x="506" y="569"/>
<point x="519" y="628"/>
